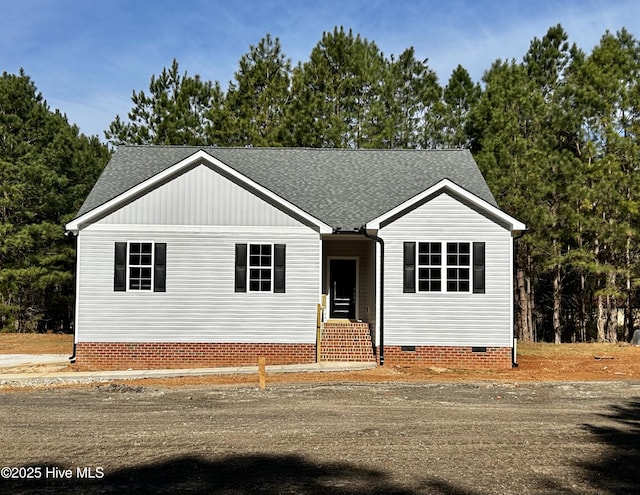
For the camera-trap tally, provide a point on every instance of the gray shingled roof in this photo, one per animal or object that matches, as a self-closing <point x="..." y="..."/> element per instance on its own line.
<point x="342" y="188"/>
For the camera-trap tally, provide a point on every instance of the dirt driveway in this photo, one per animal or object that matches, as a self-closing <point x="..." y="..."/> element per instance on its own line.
<point x="315" y="439"/>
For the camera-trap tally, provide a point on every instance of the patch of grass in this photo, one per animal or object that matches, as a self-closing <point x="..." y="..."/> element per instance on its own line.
<point x="557" y="351"/>
<point x="35" y="343"/>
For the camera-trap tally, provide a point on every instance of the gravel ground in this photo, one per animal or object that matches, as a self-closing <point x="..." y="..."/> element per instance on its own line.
<point x="323" y="438"/>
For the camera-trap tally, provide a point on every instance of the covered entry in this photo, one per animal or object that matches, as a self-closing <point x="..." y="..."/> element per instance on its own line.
<point x="348" y="277"/>
<point x="348" y="269"/>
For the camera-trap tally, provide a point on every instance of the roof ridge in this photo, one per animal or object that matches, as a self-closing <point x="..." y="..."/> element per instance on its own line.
<point x="288" y="148"/>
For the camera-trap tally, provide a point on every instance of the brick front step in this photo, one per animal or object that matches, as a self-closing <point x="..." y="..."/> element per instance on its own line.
<point x="346" y="341"/>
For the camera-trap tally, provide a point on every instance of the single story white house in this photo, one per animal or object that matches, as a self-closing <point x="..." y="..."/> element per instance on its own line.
<point x="203" y="256"/>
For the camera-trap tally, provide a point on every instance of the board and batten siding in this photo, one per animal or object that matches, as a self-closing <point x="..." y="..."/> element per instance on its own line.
<point x="441" y="318"/>
<point x="200" y="303"/>
<point x="200" y="196"/>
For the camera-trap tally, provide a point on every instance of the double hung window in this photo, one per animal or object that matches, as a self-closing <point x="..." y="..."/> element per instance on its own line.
<point x="429" y="266"/>
<point x="444" y="267"/>
<point x="140" y="266"/>
<point x="458" y="263"/>
<point x="260" y="267"/>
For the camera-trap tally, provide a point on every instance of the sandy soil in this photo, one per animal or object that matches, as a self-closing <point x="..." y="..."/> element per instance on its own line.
<point x="566" y="421"/>
<point x="324" y="438"/>
<point x="536" y="362"/>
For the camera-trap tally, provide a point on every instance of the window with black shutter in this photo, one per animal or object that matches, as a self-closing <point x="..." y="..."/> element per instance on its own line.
<point x="140" y="266"/>
<point x="260" y="268"/>
<point x="444" y="267"/>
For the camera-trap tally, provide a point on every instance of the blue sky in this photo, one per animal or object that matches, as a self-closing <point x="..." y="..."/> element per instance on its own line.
<point x="86" y="57"/>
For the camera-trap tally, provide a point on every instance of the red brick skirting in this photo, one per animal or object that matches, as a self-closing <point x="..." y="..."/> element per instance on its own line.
<point x="340" y="345"/>
<point x="144" y="355"/>
<point x="449" y="356"/>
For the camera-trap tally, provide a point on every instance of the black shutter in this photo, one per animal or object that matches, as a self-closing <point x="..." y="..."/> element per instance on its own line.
<point x="478" y="268"/>
<point x="241" y="268"/>
<point x="120" y="269"/>
<point x="409" y="268"/>
<point x="160" y="267"/>
<point x="279" y="267"/>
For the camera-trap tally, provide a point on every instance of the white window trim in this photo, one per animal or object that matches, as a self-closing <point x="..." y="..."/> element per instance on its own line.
<point x="271" y="268"/>
<point x="129" y="266"/>
<point x="468" y="267"/>
<point x="429" y="267"/>
<point x="443" y="268"/>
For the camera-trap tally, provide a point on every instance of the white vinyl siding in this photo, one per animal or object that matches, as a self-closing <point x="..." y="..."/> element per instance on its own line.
<point x="200" y="304"/>
<point x="201" y="216"/>
<point x="448" y="318"/>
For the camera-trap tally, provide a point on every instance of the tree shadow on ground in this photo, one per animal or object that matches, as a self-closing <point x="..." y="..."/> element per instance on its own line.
<point x="617" y="472"/>
<point x="237" y="475"/>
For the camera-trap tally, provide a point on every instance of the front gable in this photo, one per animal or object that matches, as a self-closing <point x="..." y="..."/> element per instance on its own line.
<point x="429" y="199"/>
<point x="431" y="299"/>
<point x="201" y="196"/>
<point x="230" y="181"/>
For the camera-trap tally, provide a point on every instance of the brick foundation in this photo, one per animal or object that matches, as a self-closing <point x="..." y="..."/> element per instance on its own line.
<point x="346" y="341"/>
<point x="449" y="357"/>
<point x="340" y="343"/>
<point x="142" y="355"/>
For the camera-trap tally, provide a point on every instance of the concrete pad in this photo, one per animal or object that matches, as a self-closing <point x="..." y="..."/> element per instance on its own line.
<point x="75" y="376"/>
<point x="13" y="360"/>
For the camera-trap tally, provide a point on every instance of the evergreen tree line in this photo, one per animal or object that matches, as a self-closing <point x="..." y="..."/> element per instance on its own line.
<point x="554" y="134"/>
<point x="46" y="170"/>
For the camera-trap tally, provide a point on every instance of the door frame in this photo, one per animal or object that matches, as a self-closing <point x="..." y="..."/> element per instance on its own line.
<point x="328" y="282"/>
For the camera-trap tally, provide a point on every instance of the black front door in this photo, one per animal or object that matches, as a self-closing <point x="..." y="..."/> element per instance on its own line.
<point x="342" y="280"/>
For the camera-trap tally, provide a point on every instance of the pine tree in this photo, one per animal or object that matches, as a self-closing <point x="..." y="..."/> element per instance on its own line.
<point x="336" y="94"/>
<point x="460" y="95"/>
<point x="501" y="133"/>
<point x="525" y="132"/>
<point x="46" y="170"/>
<point x="179" y="109"/>
<point x="410" y="91"/>
<point x="256" y="101"/>
<point x="608" y="98"/>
